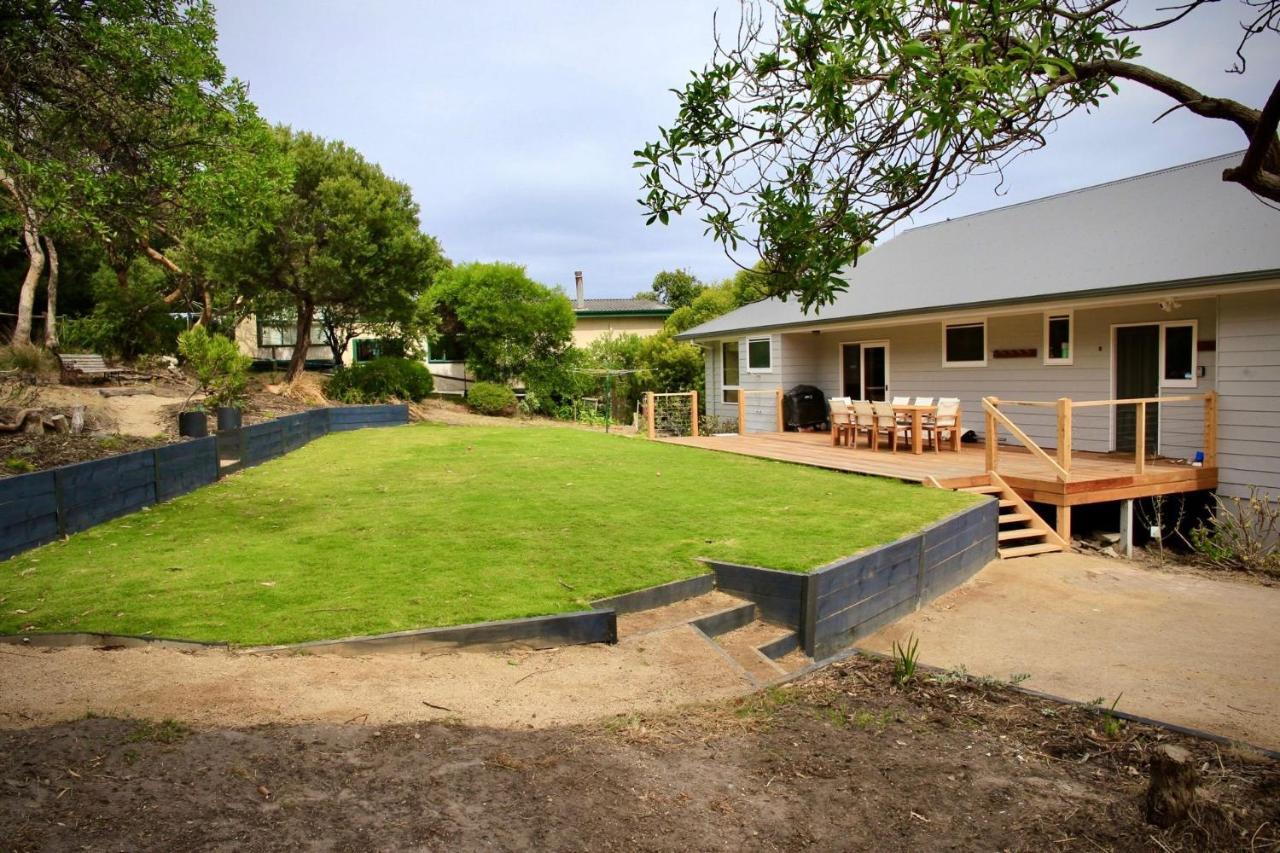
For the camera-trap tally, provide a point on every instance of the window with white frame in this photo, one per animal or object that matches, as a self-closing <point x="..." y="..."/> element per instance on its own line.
<point x="759" y="355"/>
<point x="1059" y="329"/>
<point x="729" y="371"/>
<point x="964" y="344"/>
<point x="1178" y="354"/>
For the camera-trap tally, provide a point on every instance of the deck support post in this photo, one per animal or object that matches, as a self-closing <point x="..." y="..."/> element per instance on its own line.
<point x="1140" y="439"/>
<point x="693" y="413"/>
<point x="991" y="438"/>
<point x="1064" y="524"/>
<point x="651" y="421"/>
<point x="777" y="405"/>
<point x="1064" y="433"/>
<point x="1126" y="528"/>
<point x="1211" y="429"/>
<point x="742" y="412"/>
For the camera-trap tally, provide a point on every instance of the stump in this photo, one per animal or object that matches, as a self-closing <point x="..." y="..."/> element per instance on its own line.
<point x="1173" y="786"/>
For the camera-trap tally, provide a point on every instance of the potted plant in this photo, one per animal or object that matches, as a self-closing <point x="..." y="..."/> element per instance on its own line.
<point x="221" y="374"/>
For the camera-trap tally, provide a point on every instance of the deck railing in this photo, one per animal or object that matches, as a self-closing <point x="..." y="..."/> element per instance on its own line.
<point x="1064" y="407"/>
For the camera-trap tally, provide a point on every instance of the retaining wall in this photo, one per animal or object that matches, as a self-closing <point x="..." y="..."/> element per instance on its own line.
<point x="44" y="506"/>
<point x="834" y="606"/>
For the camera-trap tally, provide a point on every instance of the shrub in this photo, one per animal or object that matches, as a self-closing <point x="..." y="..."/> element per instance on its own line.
<point x="1242" y="534"/>
<point x="27" y="359"/>
<point x="380" y="380"/>
<point x="125" y="323"/>
<point x="489" y="398"/>
<point x="221" y="372"/>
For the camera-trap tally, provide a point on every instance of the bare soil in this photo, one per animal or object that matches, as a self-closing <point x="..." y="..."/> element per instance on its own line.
<point x="841" y="760"/>
<point x="21" y="453"/>
<point x="1188" y="648"/>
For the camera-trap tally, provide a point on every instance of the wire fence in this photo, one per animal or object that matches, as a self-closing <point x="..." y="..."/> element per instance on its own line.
<point x="670" y="414"/>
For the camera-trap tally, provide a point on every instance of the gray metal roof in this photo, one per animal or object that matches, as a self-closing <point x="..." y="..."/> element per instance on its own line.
<point x="1178" y="226"/>
<point x="613" y="306"/>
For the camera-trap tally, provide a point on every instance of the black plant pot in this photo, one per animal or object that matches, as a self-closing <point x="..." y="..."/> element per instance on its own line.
<point x="228" y="418"/>
<point x="193" y="424"/>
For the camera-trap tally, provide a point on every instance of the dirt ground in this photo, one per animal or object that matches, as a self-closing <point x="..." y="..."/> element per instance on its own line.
<point x="1181" y="647"/>
<point x="652" y="667"/>
<point x="841" y="761"/>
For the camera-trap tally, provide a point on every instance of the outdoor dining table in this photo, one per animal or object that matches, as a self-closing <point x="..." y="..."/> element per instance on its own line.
<point x="917" y="414"/>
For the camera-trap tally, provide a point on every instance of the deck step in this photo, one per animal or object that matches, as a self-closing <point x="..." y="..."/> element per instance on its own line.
<point x="1020" y="533"/>
<point x="1014" y="518"/>
<point x="1028" y="550"/>
<point x="1004" y="504"/>
<point x="981" y="490"/>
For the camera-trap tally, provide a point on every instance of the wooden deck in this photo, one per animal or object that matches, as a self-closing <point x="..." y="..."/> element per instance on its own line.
<point x="1094" y="477"/>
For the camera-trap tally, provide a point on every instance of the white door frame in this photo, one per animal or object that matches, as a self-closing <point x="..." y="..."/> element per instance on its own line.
<point x="1111" y="380"/>
<point x="862" y="364"/>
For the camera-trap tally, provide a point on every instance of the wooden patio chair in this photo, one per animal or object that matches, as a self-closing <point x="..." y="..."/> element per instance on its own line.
<point x="885" y="421"/>
<point x="864" y="420"/>
<point x="946" y="421"/>
<point x="841" y="421"/>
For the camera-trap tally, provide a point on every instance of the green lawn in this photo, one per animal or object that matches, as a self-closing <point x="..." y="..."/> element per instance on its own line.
<point x="390" y="529"/>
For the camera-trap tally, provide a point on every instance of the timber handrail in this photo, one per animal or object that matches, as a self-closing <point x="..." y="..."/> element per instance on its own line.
<point x="1065" y="406"/>
<point x="997" y="418"/>
<point x="743" y="393"/>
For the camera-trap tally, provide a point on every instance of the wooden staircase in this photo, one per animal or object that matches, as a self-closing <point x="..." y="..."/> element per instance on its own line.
<point x="1022" y="531"/>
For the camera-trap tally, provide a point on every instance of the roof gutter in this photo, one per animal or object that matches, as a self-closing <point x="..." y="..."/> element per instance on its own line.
<point x="806" y="325"/>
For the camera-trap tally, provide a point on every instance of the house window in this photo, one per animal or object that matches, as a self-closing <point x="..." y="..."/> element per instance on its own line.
<point x="1178" y="355"/>
<point x="367" y="349"/>
<point x="283" y="333"/>
<point x="446" y="348"/>
<point x="964" y="344"/>
<point x="759" y="356"/>
<point x="729" y="371"/>
<point x="1058" y="330"/>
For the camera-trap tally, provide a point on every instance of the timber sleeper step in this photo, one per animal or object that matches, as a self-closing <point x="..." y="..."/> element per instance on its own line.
<point x="1020" y="533"/>
<point x="981" y="490"/>
<point x="1028" y="550"/>
<point x="1014" y="518"/>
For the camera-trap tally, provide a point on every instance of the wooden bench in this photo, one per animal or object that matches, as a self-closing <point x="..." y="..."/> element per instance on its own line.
<point x="86" y="366"/>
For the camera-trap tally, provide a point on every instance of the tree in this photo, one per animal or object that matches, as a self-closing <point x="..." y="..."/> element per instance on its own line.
<point x="675" y="288"/>
<point x="743" y="288"/>
<point x="344" y="247"/>
<point x="509" y="324"/>
<point x="822" y="124"/>
<point x="111" y="111"/>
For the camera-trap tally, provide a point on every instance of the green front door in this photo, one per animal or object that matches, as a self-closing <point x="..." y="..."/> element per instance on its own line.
<point x="1137" y="375"/>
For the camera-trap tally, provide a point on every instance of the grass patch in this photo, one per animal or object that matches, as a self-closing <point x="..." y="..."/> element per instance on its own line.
<point x="384" y="530"/>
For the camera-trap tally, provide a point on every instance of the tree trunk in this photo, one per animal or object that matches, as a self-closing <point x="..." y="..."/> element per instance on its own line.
<point x="302" y="339"/>
<point x="1172" y="787"/>
<point x="51" y="288"/>
<point x="27" y="295"/>
<point x="206" y="307"/>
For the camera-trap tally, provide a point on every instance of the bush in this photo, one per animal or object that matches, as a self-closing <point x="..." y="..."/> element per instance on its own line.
<point x="25" y="358"/>
<point x="125" y="323"/>
<point x="381" y="380"/>
<point x="222" y="373"/>
<point x="489" y="398"/>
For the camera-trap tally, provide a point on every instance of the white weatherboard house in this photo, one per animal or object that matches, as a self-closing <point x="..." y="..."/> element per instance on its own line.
<point x="1161" y="285"/>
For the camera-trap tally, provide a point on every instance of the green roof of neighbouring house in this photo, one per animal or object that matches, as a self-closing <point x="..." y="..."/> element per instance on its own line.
<point x="621" y="307"/>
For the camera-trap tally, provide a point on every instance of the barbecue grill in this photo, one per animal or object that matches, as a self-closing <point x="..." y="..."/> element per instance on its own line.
<point x="804" y="406"/>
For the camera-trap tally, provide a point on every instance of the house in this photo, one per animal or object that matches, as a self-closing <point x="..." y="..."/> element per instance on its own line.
<point x="1161" y="285"/>
<point x="596" y="318"/>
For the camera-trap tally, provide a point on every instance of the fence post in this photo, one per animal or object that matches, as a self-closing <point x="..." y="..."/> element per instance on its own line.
<point x="648" y="411"/>
<point x="991" y="440"/>
<point x="777" y="404"/>
<point x="693" y="412"/>
<point x="742" y="412"/>
<point x="1064" y="433"/>
<point x="1140" y="439"/>
<point x="1211" y="429"/>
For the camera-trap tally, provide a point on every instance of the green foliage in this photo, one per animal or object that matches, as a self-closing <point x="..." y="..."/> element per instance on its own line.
<point x="381" y="380"/>
<point x="1241" y="534"/>
<point x="26" y="359"/>
<point x="905" y="659"/>
<point x="221" y="372"/>
<point x="511" y="326"/>
<point x="490" y="398"/>
<point x="18" y="465"/>
<point x="1112" y="726"/>
<point x="676" y="288"/>
<point x="822" y="124"/>
<point x="128" y="320"/>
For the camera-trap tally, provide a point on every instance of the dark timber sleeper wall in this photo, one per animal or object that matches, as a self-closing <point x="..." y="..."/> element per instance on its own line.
<point x="834" y="606"/>
<point x="41" y="507"/>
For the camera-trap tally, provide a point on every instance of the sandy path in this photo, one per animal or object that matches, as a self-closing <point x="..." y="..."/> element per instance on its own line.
<point x="1180" y="647"/>
<point x="643" y="672"/>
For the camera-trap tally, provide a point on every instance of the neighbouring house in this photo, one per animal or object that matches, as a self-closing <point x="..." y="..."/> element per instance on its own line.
<point x="595" y="318"/>
<point x="1161" y="285"/>
<point x="270" y="342"/>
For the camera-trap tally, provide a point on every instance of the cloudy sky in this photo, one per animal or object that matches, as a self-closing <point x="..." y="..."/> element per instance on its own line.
<point x="515" y="122"/>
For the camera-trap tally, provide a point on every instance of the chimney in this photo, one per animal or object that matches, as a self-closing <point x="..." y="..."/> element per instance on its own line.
<point x="577" y="279"/>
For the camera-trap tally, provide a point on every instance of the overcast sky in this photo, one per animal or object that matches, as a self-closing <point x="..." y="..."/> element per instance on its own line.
<point x="515" y="122"/>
